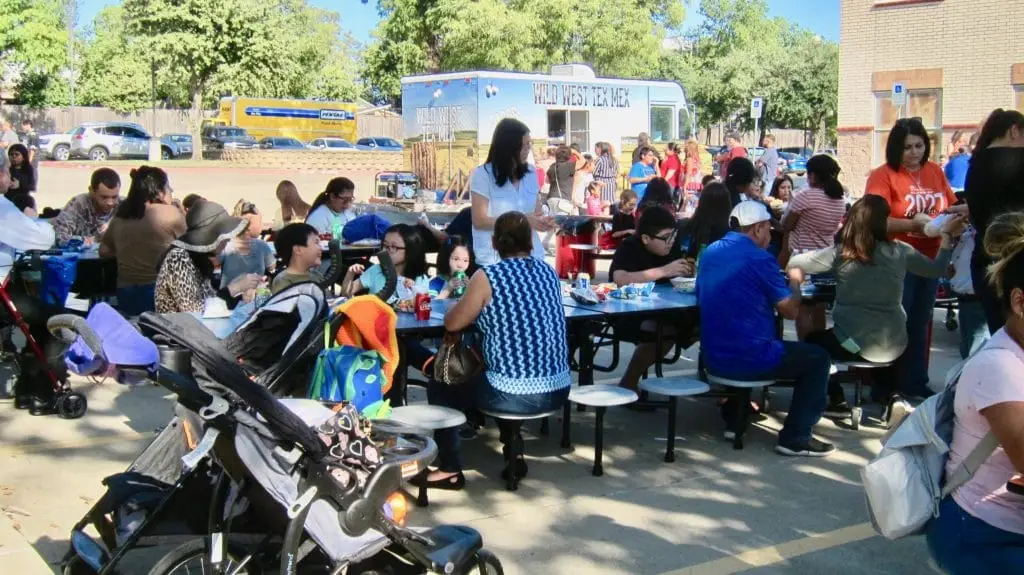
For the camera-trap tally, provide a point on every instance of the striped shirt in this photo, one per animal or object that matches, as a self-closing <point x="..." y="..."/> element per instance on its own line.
<point x="819" y="220"/>
<point x="523" y="326"/>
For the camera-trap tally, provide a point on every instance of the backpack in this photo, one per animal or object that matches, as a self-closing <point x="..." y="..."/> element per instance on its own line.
<point x="365" y="227"/>
<point x="904" y="483"/>
<point x="350" y="374"/>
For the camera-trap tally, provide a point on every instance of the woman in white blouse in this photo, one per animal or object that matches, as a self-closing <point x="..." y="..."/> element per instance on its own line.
<point x="506" y="182"/>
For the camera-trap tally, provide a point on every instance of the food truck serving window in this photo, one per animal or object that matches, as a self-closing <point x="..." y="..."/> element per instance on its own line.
<point x="662" y="123"/>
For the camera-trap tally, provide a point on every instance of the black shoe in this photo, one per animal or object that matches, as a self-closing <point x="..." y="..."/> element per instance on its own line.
<point x="41" y="406"/>
<point x="22" y="401"/>
<point x="838" y="410"/>
<point x="467" y="431"/>
<point x="454" y="483"/>
<point x="810" y="448"/>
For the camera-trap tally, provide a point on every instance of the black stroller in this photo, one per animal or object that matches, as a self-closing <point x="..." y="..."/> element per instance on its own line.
<point x="251" y="439"/>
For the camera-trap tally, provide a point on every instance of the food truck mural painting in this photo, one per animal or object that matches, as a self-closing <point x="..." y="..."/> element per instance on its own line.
<point x="459" y="111"/>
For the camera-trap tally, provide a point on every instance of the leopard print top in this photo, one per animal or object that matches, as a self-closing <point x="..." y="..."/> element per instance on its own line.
<point x="179" y="285"/>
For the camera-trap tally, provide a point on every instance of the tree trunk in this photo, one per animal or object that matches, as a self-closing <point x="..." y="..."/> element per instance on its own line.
<point x="196" y="121"/>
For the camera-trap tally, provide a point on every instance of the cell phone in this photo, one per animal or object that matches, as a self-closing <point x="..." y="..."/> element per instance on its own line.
<point x="1016" y="485"/>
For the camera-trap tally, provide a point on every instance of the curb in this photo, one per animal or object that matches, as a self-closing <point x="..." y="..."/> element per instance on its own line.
<point x="17" y="555"/>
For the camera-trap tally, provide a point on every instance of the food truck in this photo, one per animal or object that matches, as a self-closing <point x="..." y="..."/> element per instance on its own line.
<point x="459" y="110"/>
<point x="303" y="120"/>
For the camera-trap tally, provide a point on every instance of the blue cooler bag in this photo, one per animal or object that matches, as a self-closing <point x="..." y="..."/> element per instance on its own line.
<point x="352" y="374"/>
<point x="59" y="273"/>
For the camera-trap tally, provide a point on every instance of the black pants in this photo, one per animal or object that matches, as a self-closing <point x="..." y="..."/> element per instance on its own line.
<point x="33" y="379"/>
<point x="827" y="340"/>
<point x="995" y="314"/>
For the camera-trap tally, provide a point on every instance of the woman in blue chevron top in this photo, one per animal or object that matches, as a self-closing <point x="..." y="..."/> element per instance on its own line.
<point x="517" y="307"/>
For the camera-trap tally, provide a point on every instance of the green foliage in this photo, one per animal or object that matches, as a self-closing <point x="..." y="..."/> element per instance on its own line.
<point x="33" y="40"/>
<point x="113" y="53"/>
<point x="425" y="36"/>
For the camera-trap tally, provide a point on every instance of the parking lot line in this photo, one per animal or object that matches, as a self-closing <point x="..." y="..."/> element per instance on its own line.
<point x="779" y="553"/>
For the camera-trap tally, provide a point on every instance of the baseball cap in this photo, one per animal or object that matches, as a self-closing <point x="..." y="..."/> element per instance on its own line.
<point x="749" y="213"/>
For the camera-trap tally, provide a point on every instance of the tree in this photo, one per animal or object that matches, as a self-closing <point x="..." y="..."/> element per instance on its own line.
<point x="116" y="73"/>
<point x="427" y="36"/>
<point x="33" y="42"/>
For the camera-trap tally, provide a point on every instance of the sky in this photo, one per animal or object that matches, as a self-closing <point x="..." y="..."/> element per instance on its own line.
<point x="819" y="16"/>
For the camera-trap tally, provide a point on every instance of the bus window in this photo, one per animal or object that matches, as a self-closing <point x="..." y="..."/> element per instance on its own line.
<point x="662" y="120"/>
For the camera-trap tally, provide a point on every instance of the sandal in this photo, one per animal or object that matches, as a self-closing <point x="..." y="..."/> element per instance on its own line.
<point x="451" y="483"/>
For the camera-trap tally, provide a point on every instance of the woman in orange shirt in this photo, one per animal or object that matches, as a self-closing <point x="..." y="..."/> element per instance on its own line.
<point x="917" y="191"/>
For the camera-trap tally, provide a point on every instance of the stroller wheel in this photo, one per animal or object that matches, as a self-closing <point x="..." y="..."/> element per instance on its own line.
<point x="487" y="563"/>
<point x="193" y="557"/>
<point x="76" y="566"/>
<point x="71" y="405"/>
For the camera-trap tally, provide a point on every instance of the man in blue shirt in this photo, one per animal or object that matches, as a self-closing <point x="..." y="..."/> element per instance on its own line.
<point x="642" y="173"/>
<point x="739" y="290"/>
<point x="956" y="167"/>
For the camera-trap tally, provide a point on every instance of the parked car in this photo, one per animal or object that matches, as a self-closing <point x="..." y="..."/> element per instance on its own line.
<point x="174" y="146"/>
<point x="795" y="164"/>
<point x="798" y="150"/>
<point x="220" y="137"/>
<point x="379" y="144"/>
<point x="331" y="144"/>
<point x="277" y="143"/>
<point x="56" y="146"/>
<point x="99" y="141"/>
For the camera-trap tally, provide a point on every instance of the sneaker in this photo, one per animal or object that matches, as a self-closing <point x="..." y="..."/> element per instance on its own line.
<point x="810" y="448"/>
<point x="838" y="410"/>
<point x="897" y="412"/>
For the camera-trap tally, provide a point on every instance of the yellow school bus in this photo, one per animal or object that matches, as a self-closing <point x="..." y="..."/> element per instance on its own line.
<point x="303" y="120"/>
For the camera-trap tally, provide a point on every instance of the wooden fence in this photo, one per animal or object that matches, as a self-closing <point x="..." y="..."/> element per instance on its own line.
<point x="158" y="122"/>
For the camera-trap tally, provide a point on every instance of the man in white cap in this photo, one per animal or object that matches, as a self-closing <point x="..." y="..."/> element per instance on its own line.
<point x="739" y="290"/>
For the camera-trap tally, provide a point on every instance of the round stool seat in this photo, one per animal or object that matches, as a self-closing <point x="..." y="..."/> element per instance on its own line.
<point x="674" y="386"/>
<point x="602" y="395"/>
<point x="518" y="416"/>
<point x="859" y="364"/>
<point x="739" y="382"/>
<point x="428" y="416"/>
<point x="583" y="247"/>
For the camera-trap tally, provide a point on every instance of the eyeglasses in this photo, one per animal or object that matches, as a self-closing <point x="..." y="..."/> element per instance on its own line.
<point x="343" y="198"/>
<point x="392" y="247"/>
<point x="667" y="238"/>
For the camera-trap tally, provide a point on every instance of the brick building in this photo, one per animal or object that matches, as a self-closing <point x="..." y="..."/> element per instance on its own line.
<point x="958" y="59"/>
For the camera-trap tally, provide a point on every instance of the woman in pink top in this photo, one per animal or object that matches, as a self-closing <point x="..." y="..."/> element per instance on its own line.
<point x="980" y="527"/>
<point x="810" y="223"/>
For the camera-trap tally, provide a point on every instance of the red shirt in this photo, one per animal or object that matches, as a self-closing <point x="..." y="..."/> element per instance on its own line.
<point x="671" y="162"/>
<point x="908" y="194"/>
<point x="732" y="154"/>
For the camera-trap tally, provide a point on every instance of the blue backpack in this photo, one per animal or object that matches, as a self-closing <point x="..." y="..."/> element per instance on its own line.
<point x="365" y="227"/>
<point x="59" y="274"/>
<point x="351" y="374"/>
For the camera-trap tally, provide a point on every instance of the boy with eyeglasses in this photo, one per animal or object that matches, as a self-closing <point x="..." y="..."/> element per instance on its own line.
<point x="653" y="253"/>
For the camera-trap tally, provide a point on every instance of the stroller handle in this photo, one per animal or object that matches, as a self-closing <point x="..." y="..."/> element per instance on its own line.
<point x="333" y="270"/>
<point x="69" y="327"/>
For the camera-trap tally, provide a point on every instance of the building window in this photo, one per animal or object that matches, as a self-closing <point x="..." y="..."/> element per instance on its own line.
<point x="924" y="104"/>
<point x="662" y="118"/>
<point x="1018" y="98"/>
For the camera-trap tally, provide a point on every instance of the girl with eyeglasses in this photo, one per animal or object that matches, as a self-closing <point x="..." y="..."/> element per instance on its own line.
<point x="332" y="209"/>
<point x="404" y="245"/>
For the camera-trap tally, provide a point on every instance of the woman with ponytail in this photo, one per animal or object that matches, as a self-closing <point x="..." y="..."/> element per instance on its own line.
<point x="917" y="191"/>
<point x="980" y="526"/>
<point x="142" y="229"/>
<point x="994" y="185"/>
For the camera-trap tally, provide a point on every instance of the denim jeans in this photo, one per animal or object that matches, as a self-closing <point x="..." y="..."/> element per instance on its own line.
<point x="973" y="326"/>
<point x="808" y="365"/>
<point x="481" y="395"/>
<point x="134" y="300"/>
<point x="962" y="544"/>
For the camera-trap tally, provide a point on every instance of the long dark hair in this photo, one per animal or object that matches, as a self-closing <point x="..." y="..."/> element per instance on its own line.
<point x="659" y="193"/>
<point x="998" y="123"/>
<point x="710" y="220"/>
<point x="415" y="252"/>
<point x="444" y="267"/>
<point x="739" y="172"/>
<point x="21" y="149"/>
<point x="505" y="155"/>
<point x="778" y="183"/>
<point x="335" y="186"/>
<point x="864" y="229"/>
<point x="897" y="140"/>
<point x="147" y="185"/>
<point x="826" y="175"/>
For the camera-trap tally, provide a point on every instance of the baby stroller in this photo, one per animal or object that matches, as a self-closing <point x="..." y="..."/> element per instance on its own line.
<point x="33" y="361"/>
<point x="332" y="491"/>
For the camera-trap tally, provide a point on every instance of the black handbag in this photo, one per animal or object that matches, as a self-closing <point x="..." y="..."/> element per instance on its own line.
<point x="458" y="359"/>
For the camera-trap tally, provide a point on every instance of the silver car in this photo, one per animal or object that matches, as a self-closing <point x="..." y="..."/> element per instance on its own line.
<point x="110" y="140"/>
<point x="56" y="146"/>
